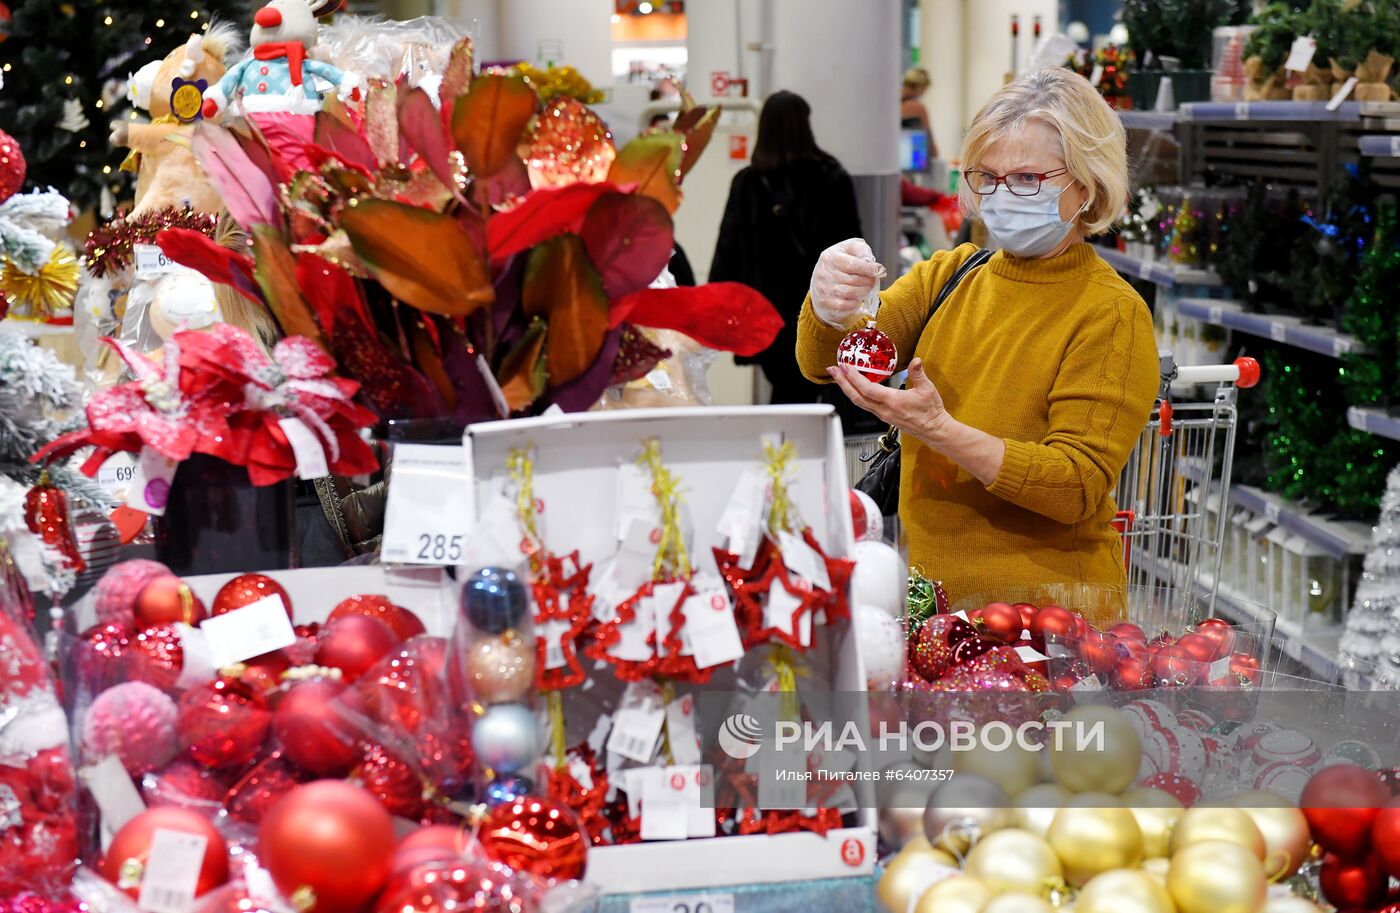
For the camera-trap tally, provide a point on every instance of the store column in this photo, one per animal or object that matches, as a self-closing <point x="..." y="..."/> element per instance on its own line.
<point x="845" y="59"/>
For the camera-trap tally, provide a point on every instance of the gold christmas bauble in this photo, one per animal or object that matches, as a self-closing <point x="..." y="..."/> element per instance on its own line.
<point x="1284" y="828"/>
<point x="959" y="894"/>
<point x="1015" y="768"/>
<point x="1090" y="838"/>
<point x="1099" y="751"/>
<point x="964" y="809"/>
<point x="1124" y="891"/>
<point x="1229" y="824"/>
<point x="1157" y="812"/>
<point x="1036" y="807"/>
<point x="1014" y="862"/>
<point x="1290" y="905"/>
<point x="908" y="872"/>
<point x="1017" y="903"/>
<point x="1157" y="868"/>
<point x="1216" y="876"/>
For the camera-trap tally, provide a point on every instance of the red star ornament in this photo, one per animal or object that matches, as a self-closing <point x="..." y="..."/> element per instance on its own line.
<point x="778" y="607"/>
<point x="564" y="611"/>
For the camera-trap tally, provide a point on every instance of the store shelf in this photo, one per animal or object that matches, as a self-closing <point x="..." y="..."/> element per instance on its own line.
<point x="1374" y="421"/>
<point x="1284" y="110"/>
<point x="34" y="330"/>
<point x="1379" y="146"/>
<point x="1338" y="538"/>
<point x="1157" y="272"/>
<point x="1288" y="330"/>
<point x="1148" y="120"/>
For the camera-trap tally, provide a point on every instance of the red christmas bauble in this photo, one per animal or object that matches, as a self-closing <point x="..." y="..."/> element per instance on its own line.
<point x="410" y="689"/>
<point x="184" y="785"/>
<point x="130" y="850"/>
<point x="1001" y="621"/>
<point x="870" y="352"/>
<point x="223" y="723"/>
<point x="1220" y="631"/>
<point x="434" y="843"/>
<point x="472" y="887"/>
<point x="1132" y="674"/>
<point x="1244" y="668"/>
<point x="391" y="781"/>
<point x="166" y="600"/>
<point x="403" y="622"/>
<point x="1385" y="836"/>
<point x="102" y="657"/>
<point x="1341" y="802"/>
<point x="537" y="835"/>
<point x="1200" y="648"/>
<point x="330" y="843"/>
<point x="1100" y="651"/>
<point x="1057" y="623"/>
<point x="1352" y="884"/>
<point x="1175" y="667"/>
<point x="310" y="724"/>
<point x="1126" y="630"/>
<point x="161" y="656"/>
<point x="246" y="589"/>
<point x="353" y="644"/>
<point x="262" y="787"/>
<point x="1028" y="613"/>
<point x="46" y="512"/>
<point x="12" y="165"/>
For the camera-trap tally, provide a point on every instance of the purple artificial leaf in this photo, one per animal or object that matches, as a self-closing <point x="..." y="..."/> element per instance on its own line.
<point x="344" y="142"/>
<point x="420" y="125"/>
<point x="583" y="392"/>
<point x="249" y="194"/>
<point x="509" y="283"/>
<point x="629" y="239"/>
<point x="475" y="402"/>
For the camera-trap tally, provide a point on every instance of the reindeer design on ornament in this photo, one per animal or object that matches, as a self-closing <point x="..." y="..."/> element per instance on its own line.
<point x="278" y="76"/>
<point x="868" y="351"/>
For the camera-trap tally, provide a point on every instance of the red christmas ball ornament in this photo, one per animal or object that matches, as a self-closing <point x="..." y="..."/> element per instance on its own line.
<point x="310" y="724"/>
<point x="1341" y="803"/>
<point x="353" y="644"/>
<point x="12" y="164"/>
<point x="1100" y="651"/>
<point x="391" y="781"/>
<point x="184" y="785"/>
<point x="126" y="858"/>
<point x="114" y="596"/>
<point x="1132" y="674"/>
<point x="46" y="515"/>
<point x="1126" y="630"/>
<point x="1350" y="885"/>
<point x="434" y="843"/>
<point x="1055" y="623"/>
<point x="102" y="657"/>
<point x="870" y="352"/>
<point x="1186" y="790"/>
<point x="1245" y="668"/>
<point x="327" y="846"/>
<point x="1028" y="612"/>
<point x="160" y="656"/>
<point x="166" y="600"/>
<point x="247" y="589"/>
<point x="403" y="622"/>
<point x="1175" y="667"/>
<point x="262" y="787"/>
<point x="473" y="887"/>
<point x="537" y="835"/>
<point x="223" y="723"/>
<point x="409" y="689"/>
<point x="1201" y="648"/>
<point x="1221" y="632"/>
<point x="1000" y="621"/>
<point x="1385" y="836"/>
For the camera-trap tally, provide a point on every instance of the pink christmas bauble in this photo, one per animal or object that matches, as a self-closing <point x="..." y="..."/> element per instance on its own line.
<point x="114" y="596"/>
<point x="870" y="352"/>
<point x="134" y="721"/>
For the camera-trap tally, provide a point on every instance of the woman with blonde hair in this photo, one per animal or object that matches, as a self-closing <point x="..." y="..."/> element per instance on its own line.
<point x="913" y="115"/>
<point x="1029" y="385"/>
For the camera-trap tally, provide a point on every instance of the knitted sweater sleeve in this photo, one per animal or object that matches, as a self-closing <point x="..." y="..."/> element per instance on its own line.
<point x="1099" y="404"/>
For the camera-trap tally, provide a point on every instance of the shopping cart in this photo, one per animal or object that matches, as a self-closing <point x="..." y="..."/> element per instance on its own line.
<point x="1171" y="495"/>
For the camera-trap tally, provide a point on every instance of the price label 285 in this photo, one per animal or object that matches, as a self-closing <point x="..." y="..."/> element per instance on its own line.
<point x="431" y="512"/>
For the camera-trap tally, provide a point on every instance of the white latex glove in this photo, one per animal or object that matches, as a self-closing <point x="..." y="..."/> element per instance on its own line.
<point x="845" y="276"/>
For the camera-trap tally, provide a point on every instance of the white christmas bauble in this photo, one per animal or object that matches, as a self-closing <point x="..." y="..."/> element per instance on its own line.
<point x="1147" y="715"/>
<point x="874" y="527"/>
<point x="878" y="579"/>
<point x="184" y="301"/>
<point x="881" y="641"/>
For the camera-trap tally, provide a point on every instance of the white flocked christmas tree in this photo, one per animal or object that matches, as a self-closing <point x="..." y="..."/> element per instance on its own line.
<point x="1373" y="626"/>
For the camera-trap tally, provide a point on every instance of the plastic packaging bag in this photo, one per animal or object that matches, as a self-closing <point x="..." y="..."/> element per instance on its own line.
<point x="369" y="46"/>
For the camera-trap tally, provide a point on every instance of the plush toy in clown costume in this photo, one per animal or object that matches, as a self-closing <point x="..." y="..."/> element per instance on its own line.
<point x="279" y="75"/>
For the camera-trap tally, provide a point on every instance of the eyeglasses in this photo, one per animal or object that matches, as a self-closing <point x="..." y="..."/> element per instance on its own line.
<point x="1020" y="183"/>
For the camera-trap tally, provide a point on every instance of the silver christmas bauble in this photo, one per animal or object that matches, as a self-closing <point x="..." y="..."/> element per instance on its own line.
<point x="507" y="737"/>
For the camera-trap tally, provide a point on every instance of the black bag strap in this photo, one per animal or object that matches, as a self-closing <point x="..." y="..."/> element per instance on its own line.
<point x="890" y="439"/>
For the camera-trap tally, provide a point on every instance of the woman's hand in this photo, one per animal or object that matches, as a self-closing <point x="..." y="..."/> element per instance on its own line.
<point x="845" y="275"/>
<point x="916" y="410"/>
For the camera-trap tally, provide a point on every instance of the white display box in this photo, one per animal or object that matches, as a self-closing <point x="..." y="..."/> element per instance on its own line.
<point x="576" y="460"/>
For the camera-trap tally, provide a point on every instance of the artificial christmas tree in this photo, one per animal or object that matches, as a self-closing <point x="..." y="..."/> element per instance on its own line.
<point x="1371" y="379"/>
<point x="1373" y="625"/>
<point x="65" y="64"/>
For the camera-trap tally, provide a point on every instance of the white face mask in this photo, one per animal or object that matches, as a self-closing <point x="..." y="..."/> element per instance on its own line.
<point x="1026" y="226"/>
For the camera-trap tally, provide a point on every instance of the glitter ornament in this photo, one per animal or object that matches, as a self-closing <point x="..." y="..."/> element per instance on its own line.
<point x="391" y="781"/>
<point x="494" y="600"/>
<point x="102" y="656"/>
<point x="223" y="723"/>
<point x="46" y="515"/>
<point x="568" y="144"/>
<point x="538" y="835"/>
<point x="246" y="589"/>
<point x="403" y="622"/>
<point x="185" y="785"/>
<point x="500" y="669"/>
<point x="12" y="166"/>
<point x="474" y="886"/>
<point x="160" y="656"/>
<point x="262" y="787"/>
<point x="135" y="722"/>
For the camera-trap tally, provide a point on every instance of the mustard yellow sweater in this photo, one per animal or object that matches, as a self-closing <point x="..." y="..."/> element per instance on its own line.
<point x="1055" y="356"/>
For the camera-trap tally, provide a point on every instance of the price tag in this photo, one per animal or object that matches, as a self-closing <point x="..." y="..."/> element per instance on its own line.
<point x="151" y="261"/>
<point x="1358" y="419"/>
<point x="1277" y="331"/>
<point x="1342" y="93"/>
<point x="1300" y="56"/>
<point x="1395" y="146"/>
<point x="150" y="483"/>
<point x="1219" y="669"/>
<point x="172" y="871"/>
<point x="554" y="631"/>
<point x="632" y="566"/>
<point x="256" y="628"/>
<point x="803" y="560"/>
<point x="741" y="523"/>
<point x="683" y="903"/>
<point x="1217" y="314"/>
<point x="680" y="730"/>
<point x="778" y="613"/>
<point x="711" y="632"/>
<point x="117" y="473"/>
<point x="1089" y="683"/>
<point x="1340" y="346"/>
<point x="428" y="519"/>
<point x="659" y="379"/>
<point x="113" y="791"/>
<point x="1241" y="110"/>
<point x="306" y="448"/>
<point x="635" y="501"/>
<point x="637" y="723"/>
<point x="671" y="806"/>
<point x="1271" y="511"/>
<point x="197" y="663"/>
<point x="1030" y="655"/>
<point x="1096" y="75"/>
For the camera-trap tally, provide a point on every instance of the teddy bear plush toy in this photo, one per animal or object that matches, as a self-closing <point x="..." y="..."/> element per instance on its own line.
<point x="280" y="75"/>
<point x="171" y="91"/>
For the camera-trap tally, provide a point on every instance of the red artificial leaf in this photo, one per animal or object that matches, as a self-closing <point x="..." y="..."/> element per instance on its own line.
<point x="421" y="126"/>
<point x="248" y="193"/>
<point x="488" y="120"/>
<point x="287" y="136"/>
<point x="522" y="376"/>
<point x="332" y="293"/>
<point x="210" y="259"/>
<point x="562" y="286"/>
<point x="276" y="269"/>
<point x="697" y="126"/>
<point x="653" y="163"/>
<point x="629" y="240"/>
<point x="728" y="316"/>
<point x="423" y="258"/>
<point x="503" y="189"/>
<point x="343" y="141"/>
<point x="457" y="75"/>
<point x="540" y="216"/>
<point x="255" y="146"/>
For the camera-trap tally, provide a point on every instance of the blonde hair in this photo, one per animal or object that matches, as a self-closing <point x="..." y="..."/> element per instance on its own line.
<point x="1092" y="138"/>
<point x="917" y="78"/>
